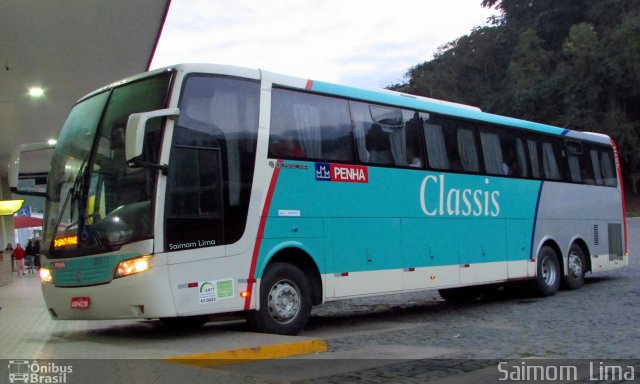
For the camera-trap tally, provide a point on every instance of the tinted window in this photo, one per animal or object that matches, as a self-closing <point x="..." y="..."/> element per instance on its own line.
<point x="544" y="155"/>
<point x="580" y="170"/>
<point x="503" y="153"/>
<point x="212" y="160"/>
<point x="387" y="136"/>
<point x="494" y="162"/>
<point x="196" y="193"/>
<point x="309" y="126"/>
<point x="602" y="165"/>
<point x="451" y="145"/>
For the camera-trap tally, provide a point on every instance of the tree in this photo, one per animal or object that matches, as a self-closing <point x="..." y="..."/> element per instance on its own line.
<point x="580" y="76"/>
<point x="571" y="63"/>
<point x="527" y="91"/>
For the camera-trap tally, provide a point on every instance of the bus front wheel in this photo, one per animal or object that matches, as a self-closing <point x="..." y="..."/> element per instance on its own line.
<point x="548" y="274"/>
<point x="285" y="301"/>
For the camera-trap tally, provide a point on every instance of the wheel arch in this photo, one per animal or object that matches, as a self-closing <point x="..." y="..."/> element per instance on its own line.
<point x="579" y="241"/>
<point x="553" y="245"/>
<point x="294" y="253"/>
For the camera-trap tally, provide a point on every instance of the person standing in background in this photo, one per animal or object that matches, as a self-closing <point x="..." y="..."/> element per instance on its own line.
<point x="30" y="257"/>
<point x="36" y="252"/>
<point x="19" y="254"/>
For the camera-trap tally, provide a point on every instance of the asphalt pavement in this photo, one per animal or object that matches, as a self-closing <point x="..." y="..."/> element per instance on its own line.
<point x="403" y="338"/>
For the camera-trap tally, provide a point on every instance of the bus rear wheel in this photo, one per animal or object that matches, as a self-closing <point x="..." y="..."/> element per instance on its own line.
<point x="285" y="301"/>
<point x="576" y="268"/>
<point x="548" y="273"/>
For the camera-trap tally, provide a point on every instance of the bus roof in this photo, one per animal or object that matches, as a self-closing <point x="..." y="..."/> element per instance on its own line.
<point x="382" y="96"/>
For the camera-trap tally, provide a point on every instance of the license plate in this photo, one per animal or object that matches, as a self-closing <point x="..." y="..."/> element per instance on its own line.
<point x="80" y="302"/>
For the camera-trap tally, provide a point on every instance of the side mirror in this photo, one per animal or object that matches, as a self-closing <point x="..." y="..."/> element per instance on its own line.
<point x="135" y="131"/>
<point x="14" y="166"/>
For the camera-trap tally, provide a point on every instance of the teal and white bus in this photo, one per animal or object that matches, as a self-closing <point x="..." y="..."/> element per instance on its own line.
<point x="204" y="189"/>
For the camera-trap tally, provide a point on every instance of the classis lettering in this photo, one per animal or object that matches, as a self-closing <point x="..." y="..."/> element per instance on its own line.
<point x="457" y="202"/>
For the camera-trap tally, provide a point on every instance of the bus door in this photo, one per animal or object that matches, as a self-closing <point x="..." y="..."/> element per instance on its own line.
<point x="194" y="206"/>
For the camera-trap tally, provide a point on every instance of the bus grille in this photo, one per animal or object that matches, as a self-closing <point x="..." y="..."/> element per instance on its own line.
<point x="615" y="242"/>
<point x="81" y="278"/>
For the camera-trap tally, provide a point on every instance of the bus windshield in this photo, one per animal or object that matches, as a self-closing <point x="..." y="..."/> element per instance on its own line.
<point x="95" y="202"/>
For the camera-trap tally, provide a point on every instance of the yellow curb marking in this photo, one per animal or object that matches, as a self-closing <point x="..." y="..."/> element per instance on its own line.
<point x="239" y="356"/>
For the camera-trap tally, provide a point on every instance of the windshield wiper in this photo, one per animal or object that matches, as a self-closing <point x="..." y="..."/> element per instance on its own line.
<point x="74" y="196"/>
<point x="71" y="193"/>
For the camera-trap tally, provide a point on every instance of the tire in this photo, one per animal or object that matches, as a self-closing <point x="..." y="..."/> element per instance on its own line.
<point x="576" y="268"/>
<point x="285" y="301"/>
<point x="460" y="295"/>
<point x="184" y="323"/>
<point x="548" y="274"/>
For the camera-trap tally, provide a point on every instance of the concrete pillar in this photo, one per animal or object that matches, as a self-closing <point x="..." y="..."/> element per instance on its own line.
<point x="6" y="222"/>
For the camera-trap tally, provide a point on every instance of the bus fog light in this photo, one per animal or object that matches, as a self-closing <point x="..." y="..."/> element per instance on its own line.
<point x="45" y="276"/>
<point x="133" y="266"/>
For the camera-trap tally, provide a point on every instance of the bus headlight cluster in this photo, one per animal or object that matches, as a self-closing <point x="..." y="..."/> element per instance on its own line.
<point x="45" y="276"/>
<point x="133" y="266"/>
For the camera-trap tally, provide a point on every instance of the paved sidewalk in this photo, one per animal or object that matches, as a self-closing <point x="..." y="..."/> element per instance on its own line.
<point x="25" y="325"/>
<point x="27" y="332"/>
<point x="24" y="321"/>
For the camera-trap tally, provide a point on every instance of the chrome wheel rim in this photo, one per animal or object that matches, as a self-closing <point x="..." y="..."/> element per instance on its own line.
<point x="575" y="265"/>
<point x="548" y="271"/>
<point x="284" y="301"/>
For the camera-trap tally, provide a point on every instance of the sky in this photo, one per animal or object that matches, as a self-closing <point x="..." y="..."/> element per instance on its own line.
<point x="365" y="43"/>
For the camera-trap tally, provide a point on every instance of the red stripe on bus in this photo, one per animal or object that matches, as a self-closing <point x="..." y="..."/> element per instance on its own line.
<point x="309" y="85"/>
<point x="624" y="201"/>
<point x="256" y="248"/>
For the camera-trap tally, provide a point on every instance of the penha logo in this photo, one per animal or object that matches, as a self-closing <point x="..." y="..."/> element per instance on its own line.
<point x="342" y="173"/>
<point x="323" y="171"/>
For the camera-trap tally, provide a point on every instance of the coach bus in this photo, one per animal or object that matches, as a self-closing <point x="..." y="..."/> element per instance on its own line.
<point x="203" y="189"/>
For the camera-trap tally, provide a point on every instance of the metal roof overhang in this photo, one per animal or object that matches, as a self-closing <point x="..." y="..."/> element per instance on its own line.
<point x="69" y="48"/>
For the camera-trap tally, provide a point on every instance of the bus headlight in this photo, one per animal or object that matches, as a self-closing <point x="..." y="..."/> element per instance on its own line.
<point x="133" y="266"/>
<point x="45" y="276"/>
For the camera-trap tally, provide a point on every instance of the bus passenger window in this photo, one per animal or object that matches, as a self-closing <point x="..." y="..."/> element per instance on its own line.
<point x="308" y="126"/>
<point x="378" y="146"/>
<point x="514" y="157"/>
<point x="415" y="153"/>
<point x="436" y="149"/>
<point x="550" y="163"/>
<point x="602" y="167"/>
<point x="494" y="162"/>
<point x="451" y="145"/>
<point x="578" y="161"/>
<point x="534" y="158"/>
<point x="286" y="146"/>
<point x="372" y="142"/>
<point x="595" y="164"/>
<point x="544" y="163"/>
<point x="468" y="151"/>
<point x="386" y="136"/>
<point x="521" y="156"/>
<point x="608" y="170"/>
